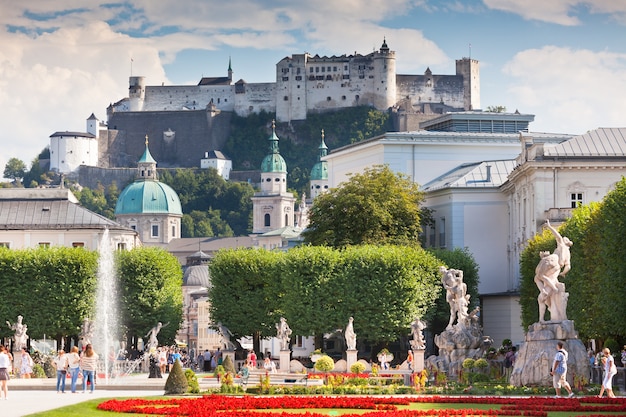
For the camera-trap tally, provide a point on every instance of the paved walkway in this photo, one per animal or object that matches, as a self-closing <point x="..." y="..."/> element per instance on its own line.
<point x="29" y="396"/>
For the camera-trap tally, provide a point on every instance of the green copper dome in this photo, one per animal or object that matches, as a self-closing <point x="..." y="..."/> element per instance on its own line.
<point x="143" y="197"/>
<point x="273" y="162"/>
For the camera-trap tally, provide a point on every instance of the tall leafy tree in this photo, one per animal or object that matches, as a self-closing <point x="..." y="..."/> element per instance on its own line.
<point x="377" y="206"/>
<point x="244" y="294"/>
<point x="150" y="286"/>
<point x="385" y="288"/>
<point x="311" y="291"/>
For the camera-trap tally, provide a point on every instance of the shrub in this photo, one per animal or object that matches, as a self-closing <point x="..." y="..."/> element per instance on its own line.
<point x="480" y="363"/>
<point x="325" y="364"/>
<point x="228" y="365"/>
<point x="357" y="368"/>
<point x="219" y="371"/>
<point x="176" y="383"/>
<point x="192" y="381"/>
<point x="38" y="371"/>
<point x="468" y="363"/>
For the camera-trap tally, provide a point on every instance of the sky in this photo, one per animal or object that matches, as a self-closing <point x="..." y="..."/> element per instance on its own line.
<point x="562" y="60"/>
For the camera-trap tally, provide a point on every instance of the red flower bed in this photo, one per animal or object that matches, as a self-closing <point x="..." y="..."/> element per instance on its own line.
<point x="228" y="406"/>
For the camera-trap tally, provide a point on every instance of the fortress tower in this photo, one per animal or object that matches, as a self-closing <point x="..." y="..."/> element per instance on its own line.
<point x="469" y="69"/>
<point x="384" y="77"/>
<point x="136" y="93"/>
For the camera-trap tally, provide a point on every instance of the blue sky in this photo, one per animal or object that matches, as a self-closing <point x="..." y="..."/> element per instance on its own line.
<point x="562" y="60"/>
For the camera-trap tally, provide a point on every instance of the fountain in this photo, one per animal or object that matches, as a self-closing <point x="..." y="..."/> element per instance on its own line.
<point x="106" y="323"/>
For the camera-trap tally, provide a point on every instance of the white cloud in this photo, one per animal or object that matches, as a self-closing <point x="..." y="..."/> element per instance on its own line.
<point x="562" y="12"/>
<point x="54" y="81"/>
<point x="567" y="89"/>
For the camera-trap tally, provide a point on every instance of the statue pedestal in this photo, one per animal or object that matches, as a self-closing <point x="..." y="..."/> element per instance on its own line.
<point x="351" y="358"/>
<point x="418" y="360"/>
<point x="535" y="357"/>
<point x="231" y="354"/>
<point x="285" y="358"/>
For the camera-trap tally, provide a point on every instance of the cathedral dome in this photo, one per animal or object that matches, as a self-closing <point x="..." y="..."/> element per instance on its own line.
<point x="142" y="197"/>
<point x="319" y="171"/>
<point x="273" y="162"/>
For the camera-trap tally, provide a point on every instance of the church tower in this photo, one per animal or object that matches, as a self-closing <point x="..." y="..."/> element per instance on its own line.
<point x="319" y="172"/>
<point x="273" y="206"/>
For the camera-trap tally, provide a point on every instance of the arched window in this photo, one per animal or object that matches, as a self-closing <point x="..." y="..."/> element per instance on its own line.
<point x="267" y="220"/>
<point x="286" y="220"/>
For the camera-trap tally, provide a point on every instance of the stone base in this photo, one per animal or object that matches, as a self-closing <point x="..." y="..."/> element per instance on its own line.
<point x="535" y="356"/>
<point x="350" y="358"/>
<point x="418" y="360"/>
<point x="285" y="358"/>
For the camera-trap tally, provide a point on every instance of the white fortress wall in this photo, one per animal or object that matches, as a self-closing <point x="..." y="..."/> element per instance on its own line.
<point x="192" y="97"/>
<point x="257" y="97"/>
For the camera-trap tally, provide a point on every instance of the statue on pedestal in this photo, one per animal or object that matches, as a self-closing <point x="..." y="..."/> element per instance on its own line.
<point x="153" y="342"/>
<point x="20" y="337"/>
<point x="225" y="335"/>
<point x="283" y="333"/>
<point x="456" y="294"/>
<point x="418" y="342"/>
<point x="551" y="291"/>
<point x="86" y="332"/>
<point x="350" y="335"/>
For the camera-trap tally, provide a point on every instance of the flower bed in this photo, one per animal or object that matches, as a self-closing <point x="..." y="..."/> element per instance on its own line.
<point x="230" y="406"/>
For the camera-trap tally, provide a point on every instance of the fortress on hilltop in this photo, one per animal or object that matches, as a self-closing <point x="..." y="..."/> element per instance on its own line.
<point x="184" y="122"/>
<point x="306" y="84"/>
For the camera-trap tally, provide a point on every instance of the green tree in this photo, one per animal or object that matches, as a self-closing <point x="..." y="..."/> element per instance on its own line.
<point x="610" y="268"/>
<point x="385" y="288"/>
<point x="150" y="283"/>
<point x="458" y="258"/>
<point x="496" y="109"/>
<point x="15" y="169"/>
<point x="377" y="207"/>
<point x="311" y="292"/>
<point x="53" y="288"/>
<point x="243" y="295"/>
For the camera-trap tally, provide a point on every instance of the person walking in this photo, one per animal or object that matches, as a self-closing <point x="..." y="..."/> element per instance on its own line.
<point x="559" y="371"/>
<point x="60" y="363"/>
<point x="89" y="363"/>
<point x="5" y="363"/>
<point x="608" y="364"/>
<point x="73" y="359"/>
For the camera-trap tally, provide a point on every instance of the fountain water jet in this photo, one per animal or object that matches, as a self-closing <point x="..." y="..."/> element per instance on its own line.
<point x="106" y="332"/>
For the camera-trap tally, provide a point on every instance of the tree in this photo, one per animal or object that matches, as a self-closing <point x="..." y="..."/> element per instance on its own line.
<point x="15" y="170"/>
<point x="150" y="286"/>
<point x="311" y="293"/>
<point x="375" y="207"/>
<point x="385" y="288"/>
<point x="243" y="294"/>
<point x="458" y="258"/>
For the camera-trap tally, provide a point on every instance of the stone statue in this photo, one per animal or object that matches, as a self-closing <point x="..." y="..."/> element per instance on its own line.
<point x="350" y="335"/>
<point x="86" y="332"/>
<point x="153" y="342"/>
<point x="20" y="337"/>
<point x="552" y="293"/>
<point x="456" y="294"/>
<point x="283" y="333"/>
<point x="562" y="249"/>
<point x="418" y="342"/>
<point x="225" y="335"/>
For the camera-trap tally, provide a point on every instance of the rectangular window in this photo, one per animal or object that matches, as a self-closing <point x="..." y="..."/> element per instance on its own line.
<point x="44" y="244"/>
<point x="5" y="244"/>
<point x="299" y="341"/>
<point x="576" y="200"/>
<point x="442" y="233"/>
<point x="432" y="238"/>
<point x="121" y="246"/>
<point x="311" y="69"/>
<point x="154" y="230"/>
<point x="78" y="244"/>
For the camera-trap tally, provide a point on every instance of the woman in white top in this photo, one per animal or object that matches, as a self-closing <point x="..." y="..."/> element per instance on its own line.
<point x="610" y="370"/>
<point x="5" y="363"/>
<point x="60" y="363"/>
<point x="27" y="364"/>
<point x="74" y="361"/>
